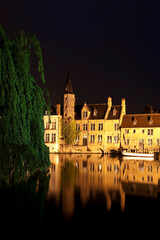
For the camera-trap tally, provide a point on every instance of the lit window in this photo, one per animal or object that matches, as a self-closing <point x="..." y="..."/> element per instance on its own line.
<point x="99" y="138"/>
<point x="92" y="138"/>
<point x="158" y="142"/>
<point x="150" y="142"/>
<point x="150" y="178"/>
<point x="116" y="126"/>
<point x="95" y="112"/>
<point x="114" y="112"/>
<point x="116" y="139"/>
<point x="126" y="131"/>
<point x="47" y="138"/>
<point x="85" y="114"/>
<point x="47" y="125"/>
<point x="92" y="126"/>
<point x="85" y="127"/>
<point x="77" y="127"/>
<point x="100" y="126"/>
<point x="150" y="132"/>
<point x="109" y="139"/>
<point x="53" y="137"/>
<point x="53" y="125"/>
<point x="126" y="142"/>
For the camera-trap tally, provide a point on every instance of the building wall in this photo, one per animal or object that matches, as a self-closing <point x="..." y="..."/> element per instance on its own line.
<point x="112" y="135"/>
<point x="134" y="136"/>
<point x="110" y="132"/>
<point x="52" y="125"/>
<point x="93" y="143"/>
<point x="68" y="106"/>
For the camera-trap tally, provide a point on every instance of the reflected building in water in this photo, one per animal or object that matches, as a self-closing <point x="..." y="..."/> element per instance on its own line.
<point x="105" y="178"/>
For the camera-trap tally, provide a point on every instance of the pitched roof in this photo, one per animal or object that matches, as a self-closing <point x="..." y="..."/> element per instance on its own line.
<point x="68" y="86"/>
<point x="141" y="120"/>
<point x="115" y="112"/>
<point x="100" y="110"/>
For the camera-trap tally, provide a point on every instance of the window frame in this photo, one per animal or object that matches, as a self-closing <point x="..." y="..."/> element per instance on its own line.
<point x="100" y="126"/>
<point x="99" y="139"/>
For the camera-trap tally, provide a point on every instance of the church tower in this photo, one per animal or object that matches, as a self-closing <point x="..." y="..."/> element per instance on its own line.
<point x="68" y="100"/>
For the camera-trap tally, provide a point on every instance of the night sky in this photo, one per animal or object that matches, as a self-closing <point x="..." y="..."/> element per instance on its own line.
<point x="110" y="47"/>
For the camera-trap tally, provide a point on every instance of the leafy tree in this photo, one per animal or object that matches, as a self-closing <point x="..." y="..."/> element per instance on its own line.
<point x="22" y="106"/>
<point x="69" y="132"/>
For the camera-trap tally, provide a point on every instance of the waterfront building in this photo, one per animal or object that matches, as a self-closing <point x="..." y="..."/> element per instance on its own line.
<point x="141" y="132"/>
<point x="52" y="126"/>
<point x="103" y="128"/>
<point x="99" y="124"/>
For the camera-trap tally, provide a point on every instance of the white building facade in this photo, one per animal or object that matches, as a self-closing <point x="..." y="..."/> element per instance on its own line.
<point x="52" y="133"/>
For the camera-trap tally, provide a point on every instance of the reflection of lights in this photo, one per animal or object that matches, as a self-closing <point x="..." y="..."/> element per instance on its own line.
<point x="57" y="160"/>
<point x="100" y="167"/>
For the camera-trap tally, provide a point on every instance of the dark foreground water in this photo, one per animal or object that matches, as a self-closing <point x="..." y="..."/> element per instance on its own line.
<point x="84" y="196"/>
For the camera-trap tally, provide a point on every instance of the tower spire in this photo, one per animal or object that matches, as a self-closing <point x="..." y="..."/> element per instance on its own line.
<point x="68" y="100"/>
<point x="68" y="86"/>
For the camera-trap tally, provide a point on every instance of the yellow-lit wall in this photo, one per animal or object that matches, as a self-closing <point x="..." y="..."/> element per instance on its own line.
<point x="110" y="131"/>
<point x="134" y="138"/>
<point x="94" y="146"/>
<point x="53" y="146"/>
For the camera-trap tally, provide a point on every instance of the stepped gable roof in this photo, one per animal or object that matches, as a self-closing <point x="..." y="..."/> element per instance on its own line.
<point x="114" y="113"/>
<point x="141" y="120"/>
<point x="68" y="86"/>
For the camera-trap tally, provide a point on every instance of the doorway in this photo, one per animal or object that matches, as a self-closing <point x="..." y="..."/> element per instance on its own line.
<point x="84" y="140"/>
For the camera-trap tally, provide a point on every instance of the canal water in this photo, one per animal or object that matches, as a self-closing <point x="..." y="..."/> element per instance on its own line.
<point x="84" y="195"/>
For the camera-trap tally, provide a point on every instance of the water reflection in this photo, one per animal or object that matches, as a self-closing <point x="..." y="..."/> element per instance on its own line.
<point x="100" y="179"/>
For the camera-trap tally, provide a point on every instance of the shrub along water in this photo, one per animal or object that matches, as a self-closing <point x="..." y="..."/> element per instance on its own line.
<point x="22" y="105"/>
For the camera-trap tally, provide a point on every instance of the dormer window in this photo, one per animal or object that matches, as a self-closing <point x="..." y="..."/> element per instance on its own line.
<point x="95" y="112"/>
<point x="114" y="112"/>
<point x="85" y="114"/>
<point x="150" y="120"/>
<point x="134" y="121"/>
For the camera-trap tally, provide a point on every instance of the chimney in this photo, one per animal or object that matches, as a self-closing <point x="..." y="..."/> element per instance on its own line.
<point x="109" y="103"/>
<point x="123" y="106"/>
<point x="58" y="109"/>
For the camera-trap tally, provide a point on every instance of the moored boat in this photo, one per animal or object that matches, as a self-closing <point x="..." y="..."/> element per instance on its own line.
<point x="138" y="155"/>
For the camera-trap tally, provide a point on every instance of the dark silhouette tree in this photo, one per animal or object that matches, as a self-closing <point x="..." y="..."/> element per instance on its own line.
<point x="22" y="106"/>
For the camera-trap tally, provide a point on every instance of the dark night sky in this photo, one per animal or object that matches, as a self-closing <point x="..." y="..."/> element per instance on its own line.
<point x="111" y="47"/>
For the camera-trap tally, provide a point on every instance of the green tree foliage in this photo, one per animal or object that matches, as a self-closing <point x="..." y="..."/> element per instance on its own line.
<point x="22" y="106"/>
<point x="69" y="132"/>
